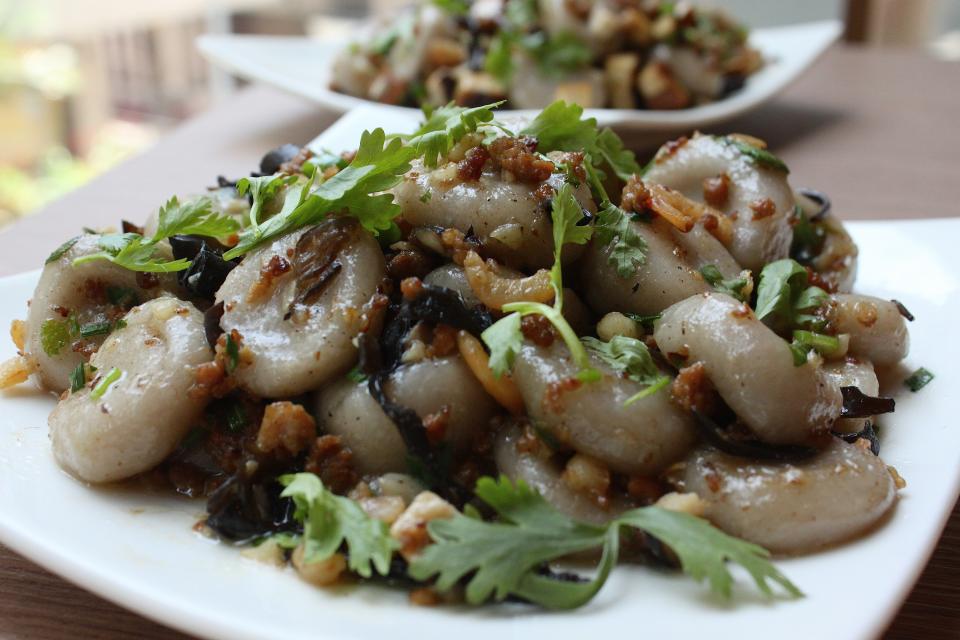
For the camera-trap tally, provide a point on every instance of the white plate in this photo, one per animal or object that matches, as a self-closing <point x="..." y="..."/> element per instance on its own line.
<point x="139" y="550"/>
<point x="302" y="66"/>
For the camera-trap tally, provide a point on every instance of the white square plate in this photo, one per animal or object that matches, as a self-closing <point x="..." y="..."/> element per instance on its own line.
<point x="302" y="66"/>
<point x="138" y="549"/>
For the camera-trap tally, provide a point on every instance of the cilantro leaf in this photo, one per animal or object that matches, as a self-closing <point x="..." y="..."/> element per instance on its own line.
<point x="557" y="54"/>
<point x="446" y="126"/>
<point x="54" y="336"/>
<point x="501" y="554"/>
<point x="356" y="190"/>
<point x="628" y="249"/>
<point x="562" y="127"/>
<point x="499" y="59"/>
<point x="783" y="294"/>
<point x="504" y="339"/>
<point x="62" y="249"/>
<point x="502" y="558"/>
<point x="195" y="217"/>
<point x="806" y="341"/>
<point x="453" y="7"/>
<point x="918" y="379"/>
<point x="623" y="161"/>
<point x="134" y="252"/>
<point x="631" y="358"/>
<point x="760" y="156"/>
<point x="734" y="287"/>
<point x="704" y="550"/>
<point x="568" y="227"/>
<point x="329" y="520"/>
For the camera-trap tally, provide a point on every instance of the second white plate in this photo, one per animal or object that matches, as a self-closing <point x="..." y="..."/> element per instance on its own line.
<point x="302" y="66"/>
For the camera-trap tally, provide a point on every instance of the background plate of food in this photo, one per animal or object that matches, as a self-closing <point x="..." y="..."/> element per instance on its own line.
<point x="141" y="548"/>
<point x="667" y="67"/>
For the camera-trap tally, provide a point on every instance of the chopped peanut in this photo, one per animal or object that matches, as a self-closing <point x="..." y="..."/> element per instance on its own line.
<point x="323" y="573"/>
<point x="689" y="503"/>
<point x="286" y="428"/>
<point x="410" y="529"/>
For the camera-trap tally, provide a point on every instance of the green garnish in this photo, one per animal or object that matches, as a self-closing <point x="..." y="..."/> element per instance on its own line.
<point x="783" y="298"/>
<point x="630" y="357"/>
<point x="502" y="558"/>
<point x="426" y="195"/>
<point x="137" y="253"/>
<point x="806" y="341"/>
<point x="918" y="379"/>
<point x="734" y="287"/>
<point x="808" y="238"/>
<point x="233" y="354"/>
<point x="499" y="59"/>
<point x="561" y="127"/>
<point x="357" y="189"/>
<point x="453" y="7"/>
<point x="62" y="249"/>
<point x="123" y="297"/>
<point x="505" y="338"/>
<point x="558" y="54"/>
<point x="628" y="249"/>
<point x="646" y="321"/>
<point x="54" y="336"/>
<point x="112" y="376"/>
<point x="761" y="156"/>
<point x="329" y="520"/>
<point x="92" y="329"/>
<point x="78" y="378"/>
<point x="446" y="126"/>
<point x="356" y="375"/>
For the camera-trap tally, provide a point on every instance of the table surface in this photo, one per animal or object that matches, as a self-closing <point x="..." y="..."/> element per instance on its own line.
<point x="875" y="129"/>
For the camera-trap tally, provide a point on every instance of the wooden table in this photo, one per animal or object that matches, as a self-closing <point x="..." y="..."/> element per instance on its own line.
<point x="877" y="130"/>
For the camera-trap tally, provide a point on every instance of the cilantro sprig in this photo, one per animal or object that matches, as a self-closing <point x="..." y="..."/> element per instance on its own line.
<point x="138" y="253"/>
<point x="631" y="358"/>
<point x="562" y="127"/>
<point x="734" y="287"/>
<point x="502" y="558"/>
<point x="330" y="520"/>
<point x="784" y="298"/>
<point x="357" y="189"/>
<point x="505" y="338"/>
<point x="446" y="126"/>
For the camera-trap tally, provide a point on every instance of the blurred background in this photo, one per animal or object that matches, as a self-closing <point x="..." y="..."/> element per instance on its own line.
<point x="85" y="84"/>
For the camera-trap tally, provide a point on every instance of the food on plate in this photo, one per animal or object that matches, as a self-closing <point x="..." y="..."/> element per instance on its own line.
<point x="623" y="54"/>
<point x="454" y="357"/>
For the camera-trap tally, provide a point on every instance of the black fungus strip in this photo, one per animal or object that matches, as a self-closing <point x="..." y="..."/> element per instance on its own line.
<point x="206" y="274"/>
<point x="379" y="358"/>
<point x="241" y="510"/>
<point x="868" y="432"/>
<point x="270" y="163"/>
<point x="821" y="199"/>
<point x="857" y="404"/>
<point x="903" y="310"/>
<point x="719" y="437"/>
<point x="211" y="324"/>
